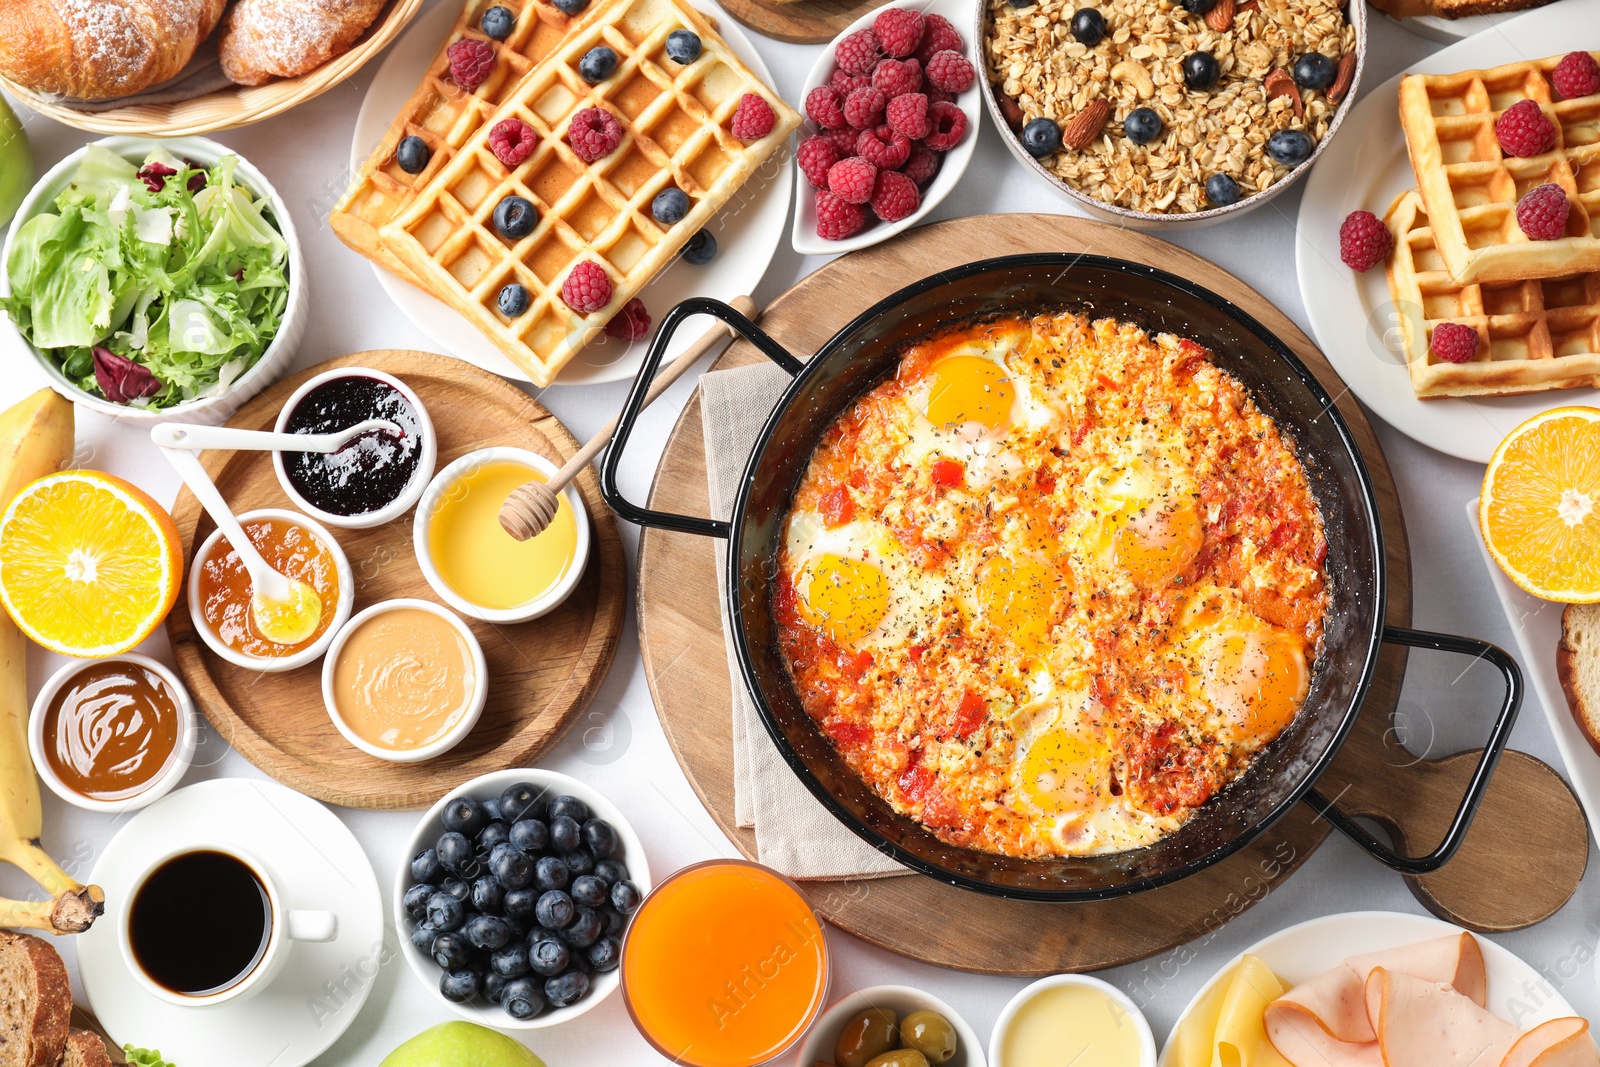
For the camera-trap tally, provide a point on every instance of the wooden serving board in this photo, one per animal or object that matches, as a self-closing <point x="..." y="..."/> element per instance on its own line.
<point x="680" y="636"/>
<point x="799" y="21"/>
<point x="542" y="674"/>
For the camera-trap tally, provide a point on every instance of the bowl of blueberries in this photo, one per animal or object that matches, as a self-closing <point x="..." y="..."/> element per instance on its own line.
<point x="513" y="903"/>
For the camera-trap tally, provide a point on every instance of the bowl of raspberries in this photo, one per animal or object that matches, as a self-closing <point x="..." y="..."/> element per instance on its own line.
<point x="891" y="119"/>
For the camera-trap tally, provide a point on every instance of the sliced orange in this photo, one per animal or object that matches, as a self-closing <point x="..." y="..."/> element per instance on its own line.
<point x="1540" y="506"/>
<point x="89" y="565"/>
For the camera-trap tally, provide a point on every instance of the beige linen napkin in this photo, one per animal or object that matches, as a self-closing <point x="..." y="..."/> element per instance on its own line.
<point x="795" y="834"/>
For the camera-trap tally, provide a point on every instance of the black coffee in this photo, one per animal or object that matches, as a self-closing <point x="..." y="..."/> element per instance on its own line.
<point x="199" y="923"/>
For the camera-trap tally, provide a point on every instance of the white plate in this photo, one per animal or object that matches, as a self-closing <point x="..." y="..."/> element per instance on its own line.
<point x="1438" y="28"/>
<point x="318" y="864"/>
<point x="748" y="229"/>
<point x="1307" y="949"/>
<point x="1351" y="315"/>
<point x="804" y="236"/>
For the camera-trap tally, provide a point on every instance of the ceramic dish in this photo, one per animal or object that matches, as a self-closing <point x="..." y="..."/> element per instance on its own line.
<point x="818" y="1044"/>
<point x="1147" y="220"/>
<point x="273" y="362"/>
<point x="1352" y="316"/>
<point x="952" y="164"/>
<point x="160" y="786"/>
<point x="630" y="851"/>
<point x="347" y="596"/>
<point x="1008" y="1014"/>
<point x="1448" y="31"/>
<point x="748" y="229"/>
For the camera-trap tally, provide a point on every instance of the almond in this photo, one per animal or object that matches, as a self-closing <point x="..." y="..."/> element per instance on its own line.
<point x="1343" y="77"/>
<point x="1085" y="125"/>
<point x="1220" y="18"/>
<point x="1279" y="83"/>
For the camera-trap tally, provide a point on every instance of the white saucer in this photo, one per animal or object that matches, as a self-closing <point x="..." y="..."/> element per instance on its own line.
<point x="318" y="864"/>
<point x="748" y="229"/>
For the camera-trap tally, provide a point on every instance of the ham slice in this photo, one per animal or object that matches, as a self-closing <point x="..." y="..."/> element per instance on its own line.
<point x="1430" y="1024"/>
<point x="1557" y="1043"/>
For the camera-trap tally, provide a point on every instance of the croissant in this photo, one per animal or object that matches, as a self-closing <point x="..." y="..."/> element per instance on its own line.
<point x="100" y="49"/>
<point x="266" y="39"/>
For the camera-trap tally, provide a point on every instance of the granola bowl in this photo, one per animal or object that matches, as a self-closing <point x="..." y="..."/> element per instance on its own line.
<point x="1140" y="65"/>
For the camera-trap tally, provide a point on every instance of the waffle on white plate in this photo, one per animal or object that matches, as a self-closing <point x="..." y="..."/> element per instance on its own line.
<point x="1470" y="188"/>
<point x="1534" y="334"/>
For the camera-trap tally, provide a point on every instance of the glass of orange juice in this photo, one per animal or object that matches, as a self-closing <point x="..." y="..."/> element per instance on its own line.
<point x="724" y="965"/>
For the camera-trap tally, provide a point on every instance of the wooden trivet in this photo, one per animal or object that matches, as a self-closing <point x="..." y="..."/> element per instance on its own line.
<point x="680" y="636"/>
<point x="800" y="21"/>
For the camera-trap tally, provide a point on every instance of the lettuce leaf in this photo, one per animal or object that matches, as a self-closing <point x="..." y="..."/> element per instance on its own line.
<point x="144" y="1057"/>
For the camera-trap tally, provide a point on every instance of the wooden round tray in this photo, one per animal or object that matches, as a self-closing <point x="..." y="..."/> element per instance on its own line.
<point x="799" y="21"/>
<point x="681" y="640"/>
<point x="542" y="674"/>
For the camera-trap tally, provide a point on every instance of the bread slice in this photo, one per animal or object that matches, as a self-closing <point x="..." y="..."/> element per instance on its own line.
<point x="1453" y="9"/>
<point x="1578" y="667"/>
<point x="85" y="1050"/>
<point x="35" y="1002"/>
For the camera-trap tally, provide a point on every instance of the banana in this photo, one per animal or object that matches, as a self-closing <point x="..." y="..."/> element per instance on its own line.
<point x="35" y="439"/>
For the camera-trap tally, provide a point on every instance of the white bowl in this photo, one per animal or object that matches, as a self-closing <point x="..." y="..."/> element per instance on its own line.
<point x="951" y="166"/>
<point x="430" y="502"/>
<point x="419" y="478"/>
<point x="817" y="1045"/>
<point x="274" y="664"/>
<point x="273" y="362"/>
<point x="1002" y="1025"/>
<point x="480" y="685"/>
<point x="160" y="786"/>
<point x="602" y="985"/>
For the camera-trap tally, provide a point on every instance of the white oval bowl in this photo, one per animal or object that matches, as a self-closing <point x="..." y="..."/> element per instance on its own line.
<point x="1002" y="1025"/>
<point x="602" y="985"/>
<point x="817" y="1046"/>
<point x="291" y="330"/>
<point x="274" y="664"/>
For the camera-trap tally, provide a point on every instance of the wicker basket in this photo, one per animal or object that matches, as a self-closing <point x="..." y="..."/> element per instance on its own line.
<point x="234" y="106"/>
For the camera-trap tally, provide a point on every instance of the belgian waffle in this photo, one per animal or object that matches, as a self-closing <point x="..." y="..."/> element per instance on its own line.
<point x="444" y="115"/>
<point x="1470" y="188"/>
<point x="1533" y="334"/>
<point x="674" y="120"/>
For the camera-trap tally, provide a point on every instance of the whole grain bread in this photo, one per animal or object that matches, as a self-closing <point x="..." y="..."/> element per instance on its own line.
<point x="35" y="1002"/>
<point x="1453" y="9"/>
<point x="85" y="1050"/>
<point x="1578" y="667"/>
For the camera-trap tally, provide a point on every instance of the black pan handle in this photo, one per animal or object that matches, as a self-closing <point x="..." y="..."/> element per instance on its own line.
<point x="1498" y="736"/>
<point x="699" y="305"/>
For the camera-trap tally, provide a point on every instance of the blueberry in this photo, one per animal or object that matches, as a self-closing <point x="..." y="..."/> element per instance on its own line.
<point x="580" y="963"/>
<point x="530" y="835"/>
<point x="457" y="888"/>
<point x="460" y="986"/>
<point x="612" y="871"/>
<point x="616" y="922"/>
<point x="518" y="903"/>
<point x="1200" y="71"/>
<point x="564" y="834"/>
<point x="579" y="861"/>
<point x="701" y="249"/>
<point x="497" y="22"/>
<point x="597" y="64"/>
<point x="422" y="936"/>
<point x="510" y="961"/>
<point x="683" y="46"/>
<point x="571" y="807"/>
<point x="551" y="873"/>
<point x="464" y="815"/>
<point x="606" y="954"/>
<point x="491" y="808"/>
<point x="1222" y="190"/>
<point x="1023" y="3"/>
<point x="522" y="998"/>
<point x="487" y="931"/>
<point x="599" y="838"/>
<point x="670" y="206"/>
<point x="590" y="891"/>
<point x="537" y="934"/>
<point x="445" y="912"/>
<point x="1289" y="147"/>
<point x="415" y="902"/>
<point x="494" y="987"/>
<point x="491" y="835"/>
<point x="1142" y="125"/>
<point x="511" y="866"/>
<point x="570" y="7"/>
<point x="585" y="928"/>
<point x="1041" y="137"/>
<point x="566" y="989"/>
<point x="488" y="895"/>
<point x="625" y="897"/>
<point x="513" y="299"/>
<point x="522" y="801"/>
<point x="1088" y="26"/>
<point x="455" y="851"/>
<point x="1314" y="71"/>
<point x="514" y="218"/>
<point x="1198" y="7"/>
<point x="450" y="951"/>
<point x="412" y="153"/>
<point x="425" y="867"/>
<point x="548" y="957"/>
<point x="555" y="910"/>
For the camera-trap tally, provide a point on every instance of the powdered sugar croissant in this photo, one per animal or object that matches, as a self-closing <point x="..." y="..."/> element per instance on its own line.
<point x="266" y="39"/>
<point x="101" y="49"/>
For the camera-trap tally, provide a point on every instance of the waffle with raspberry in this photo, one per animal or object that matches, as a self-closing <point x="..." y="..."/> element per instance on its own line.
<point x="1470" y="181"/>
<point x="676" y="129"/>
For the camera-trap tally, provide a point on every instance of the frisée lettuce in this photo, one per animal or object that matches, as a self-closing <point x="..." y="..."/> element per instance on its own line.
<point x="153" y="285"/>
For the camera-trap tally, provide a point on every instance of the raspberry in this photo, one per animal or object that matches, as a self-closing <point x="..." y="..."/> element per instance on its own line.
<point x="1523" y="130"/>
<point x="864" y="107"/>
<point x="816" y="155"/>
<point x="837" y="219"/>
<point x="922" y="166"/>
<point x="753" y="119"/>
<point x="586" y="288"/>
<point x="894" y="196"/>
<point x="848" y="83"/>
<point x="909" y="115"/>
<point x="825" y="107"/>
<point x="632" y="323"/>
<point x="939" y="96"/>
<point x="1543" y="212"/>
<point x="1576" y="75"/>
<point x="512" y="141"/>
<point x="1364" y="241"/>
<point x="851" y="180"/>
<point x="1453" y="342"/>
<point x="896" y="77"/>
<point x="938" y="35"/>
<point x="471" y="60"/>
<point x="949" y="125"/>
<point x="858" y="53"/>
<point x="843" y="141"/>
<point x="884" y="147"/>
<point x="949" y="70"/>
<point x="594" y="133"/>
<point x="899" y="30"/>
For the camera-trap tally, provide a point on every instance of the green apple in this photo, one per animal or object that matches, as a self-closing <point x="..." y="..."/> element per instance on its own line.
<point x="16" y="163"/>
<point x="461" y="1044"/>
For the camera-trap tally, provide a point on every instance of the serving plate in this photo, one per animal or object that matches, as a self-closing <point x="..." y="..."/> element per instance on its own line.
<point x="1351" y="315"/>
<point x="1447" y="31"/>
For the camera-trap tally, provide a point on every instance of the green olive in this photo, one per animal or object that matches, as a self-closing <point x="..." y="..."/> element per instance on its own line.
<point x="900" y="1057"/>
<point x="930" y="1034"/>
<point x="870" y="1034"/>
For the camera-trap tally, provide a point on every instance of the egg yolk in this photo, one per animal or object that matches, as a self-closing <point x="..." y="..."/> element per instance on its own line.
<point x="1156" y="545"/>
<point x="1257" y="678"/>
<point x="1058" y="773"/>
<point x="1019" y="599"/>
<point x="970" y="389"/>
<point x="847" y="598"/>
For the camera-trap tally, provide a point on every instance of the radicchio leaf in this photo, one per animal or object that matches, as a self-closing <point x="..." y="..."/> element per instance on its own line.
<point x="155" y="175"/>
<point x="121" y="379"/>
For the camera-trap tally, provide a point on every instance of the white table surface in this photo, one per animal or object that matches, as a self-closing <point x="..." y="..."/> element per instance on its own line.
<point x="619" y="747"/>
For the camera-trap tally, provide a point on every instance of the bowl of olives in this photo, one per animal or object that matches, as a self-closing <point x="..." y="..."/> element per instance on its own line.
<point x="513" y="898"/>
<point x="891" y="1026"/>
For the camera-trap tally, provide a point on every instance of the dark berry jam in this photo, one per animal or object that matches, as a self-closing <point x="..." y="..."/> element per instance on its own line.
<point x="370" y="472"/>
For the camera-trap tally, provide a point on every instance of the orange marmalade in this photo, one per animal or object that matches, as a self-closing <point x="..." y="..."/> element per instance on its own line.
<point x="289" y="548"/>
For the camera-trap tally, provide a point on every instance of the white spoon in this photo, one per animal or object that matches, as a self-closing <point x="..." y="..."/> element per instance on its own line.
<point x="197" y="438"/>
